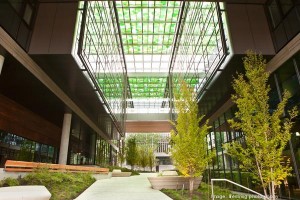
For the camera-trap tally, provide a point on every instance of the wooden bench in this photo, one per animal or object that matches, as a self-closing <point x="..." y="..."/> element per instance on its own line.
<point x="22" y="166"/>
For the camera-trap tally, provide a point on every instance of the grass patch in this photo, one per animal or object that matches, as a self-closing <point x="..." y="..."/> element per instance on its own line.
<point x="62" y="185"/>
<point x="204" y="193"/>
<point x="9" y="182"/>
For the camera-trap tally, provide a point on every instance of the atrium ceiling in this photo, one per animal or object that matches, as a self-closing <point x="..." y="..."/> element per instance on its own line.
<point x="153" y="44"/>
<point x="164" y="37"/>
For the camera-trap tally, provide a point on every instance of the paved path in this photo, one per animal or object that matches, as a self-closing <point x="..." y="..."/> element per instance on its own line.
<point x="123" y="188"/>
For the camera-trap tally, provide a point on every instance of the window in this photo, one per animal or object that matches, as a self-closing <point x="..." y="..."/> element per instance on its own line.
<point x="286" y="6"/>
<point x="274" y="13"/>
<point x="28" y="14"/>
<point x="284" y="21"/>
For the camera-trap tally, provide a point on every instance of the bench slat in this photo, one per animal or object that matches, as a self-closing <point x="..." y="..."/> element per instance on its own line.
<point x="22" y="166"/>
<point x="18" y="170"/>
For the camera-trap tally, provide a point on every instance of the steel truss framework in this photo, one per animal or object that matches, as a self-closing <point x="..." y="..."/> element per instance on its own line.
<point x="138" y="49"/>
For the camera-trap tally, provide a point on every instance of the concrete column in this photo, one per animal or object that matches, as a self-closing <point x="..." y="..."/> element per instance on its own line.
<point x="93" y="147"/>
<point x="65" y="136"/>
<point x="1" y="62"/>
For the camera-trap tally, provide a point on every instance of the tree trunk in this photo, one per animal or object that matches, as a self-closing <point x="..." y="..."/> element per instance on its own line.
<point x="260" y="177"/>
<point x="191" y="181"/>
<point x="272" y="191"/>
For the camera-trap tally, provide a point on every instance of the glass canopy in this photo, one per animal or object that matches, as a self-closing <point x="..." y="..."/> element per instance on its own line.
<point x="156" y="40"/>
<point x="148" y="29"/>
<point x="135" y="49"/>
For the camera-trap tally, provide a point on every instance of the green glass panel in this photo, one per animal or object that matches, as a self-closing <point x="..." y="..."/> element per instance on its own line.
<point x="138" y="4"/>
<point x="169" y="15"/>
<point x="125" y="3"/>
<point x="163" y="12"/>
<point x="157" y="14"/>
<point x="151" y="14"/>
<point x="126" y="12"/>
<point x="173" y="27"/>
<point x="127" y="28"/>
<point x="130" y="50"/>
<point x="144" y="3"/>
<point x="145" y="40"/>
<point x="145" y="14"/>
<point x="150" y="27"/>
<point x="134" y="39"/>
<point x="171" y="3"/>
<point x="139" y="39"/>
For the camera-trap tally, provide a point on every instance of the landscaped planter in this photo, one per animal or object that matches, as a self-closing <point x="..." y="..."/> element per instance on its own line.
<point x="25" y="192"/>
<point x="172" y="182"/>
<point x="119" y="173"/>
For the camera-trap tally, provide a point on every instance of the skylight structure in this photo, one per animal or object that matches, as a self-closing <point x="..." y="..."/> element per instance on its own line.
<point x="99" y="53"/>
<point x="202" y="45"/>
<point x="148" y="29"/>
<point x="164" y="41"/>
<point x="135" y="52"/>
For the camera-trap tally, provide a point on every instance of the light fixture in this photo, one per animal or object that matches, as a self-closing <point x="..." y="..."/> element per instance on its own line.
<point x="1" y="62"/>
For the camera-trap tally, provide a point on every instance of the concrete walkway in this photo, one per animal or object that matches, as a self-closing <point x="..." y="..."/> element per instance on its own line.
<point x="123" y="188"/>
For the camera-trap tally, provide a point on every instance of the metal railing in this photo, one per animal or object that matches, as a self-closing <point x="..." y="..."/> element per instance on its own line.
<point x="226" y="180"/>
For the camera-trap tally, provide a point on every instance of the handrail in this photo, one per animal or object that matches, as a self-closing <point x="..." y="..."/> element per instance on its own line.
<point x="223" y="179"/>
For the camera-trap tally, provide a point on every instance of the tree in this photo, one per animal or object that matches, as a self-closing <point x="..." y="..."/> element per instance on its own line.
<point x="266" y="135"/>
<point x="131" y="152"/>
<point x="150" y="140"/>
<point x="189" y="145"/>
<point x="143" y="156"/>
<point x="151" y="158"/>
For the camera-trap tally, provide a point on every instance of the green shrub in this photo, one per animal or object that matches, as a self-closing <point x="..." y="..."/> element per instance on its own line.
<point x="62" y="185"/>
<point x="9" y="182"/>
<point x="204" y="192"/>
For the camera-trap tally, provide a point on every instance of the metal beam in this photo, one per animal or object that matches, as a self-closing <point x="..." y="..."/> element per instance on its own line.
<point x="168" y="88"/>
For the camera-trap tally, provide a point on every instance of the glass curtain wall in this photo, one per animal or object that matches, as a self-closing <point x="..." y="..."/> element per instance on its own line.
<point x="223" y="166"/>
<point x="288" y="79"/>
<point x="284" y="21"/>
<point x="99" y="53"/>
<point x="200" y="47"/>
<point x="82" y="143"/>
<point x="103" y="152"/>
<point x="14" y="147"/>
<point x="17" y="18"/>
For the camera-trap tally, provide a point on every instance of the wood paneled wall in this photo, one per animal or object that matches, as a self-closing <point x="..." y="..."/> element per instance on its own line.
<point x="18" y="120"/>
<point x="148" y="126"/>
